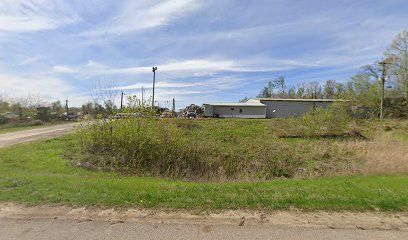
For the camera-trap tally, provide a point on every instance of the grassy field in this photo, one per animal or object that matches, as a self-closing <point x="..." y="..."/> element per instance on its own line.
<point x="37" y="173"/>
<point x="315" y="145"/>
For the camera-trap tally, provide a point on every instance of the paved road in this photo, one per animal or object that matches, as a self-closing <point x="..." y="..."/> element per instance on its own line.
<point x="57" y="229"/>
<point x="8" y="139"/>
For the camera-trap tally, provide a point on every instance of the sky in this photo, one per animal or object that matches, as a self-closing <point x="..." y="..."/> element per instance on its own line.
<point x="205" y="50"/>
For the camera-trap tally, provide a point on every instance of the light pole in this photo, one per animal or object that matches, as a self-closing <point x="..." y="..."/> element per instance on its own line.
<point x="121" y="100"/>
<point x="154" y="82"/>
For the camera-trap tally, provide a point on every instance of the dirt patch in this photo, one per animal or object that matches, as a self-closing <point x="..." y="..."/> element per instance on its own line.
<point x="8" y="139"/>
<point x="332" y="220"/>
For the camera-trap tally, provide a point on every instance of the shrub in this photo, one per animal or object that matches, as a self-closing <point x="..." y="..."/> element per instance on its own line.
<point x="334" y="121"/>
<point x="207" y="149"/>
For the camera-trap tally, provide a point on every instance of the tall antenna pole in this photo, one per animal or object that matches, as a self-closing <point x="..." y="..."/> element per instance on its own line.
<point x="154" y="82"/>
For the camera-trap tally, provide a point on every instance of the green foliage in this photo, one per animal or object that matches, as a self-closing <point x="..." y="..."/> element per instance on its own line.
<point x="44" y="114"/>
<point x="22" y="124"/>
<point x="209" y="149"/>
<point x="334" y="121"/>
<point x="396" y="107"/>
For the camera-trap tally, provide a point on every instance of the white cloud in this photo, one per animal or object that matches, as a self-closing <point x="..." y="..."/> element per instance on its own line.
<point x="46" y="87"/>
<point x="64" y="69"/>
<point x="140" y="15"/>
<point x="198" y="86"/>
<point x="148" y="85"/>
<point x="191" y="67"/>
<point x="28" y="60"/>
<point x="34" y="15"/>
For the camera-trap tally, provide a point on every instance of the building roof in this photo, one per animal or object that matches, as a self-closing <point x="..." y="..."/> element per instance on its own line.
<point x="299" y="100"/>
<point x="245" y="104"/>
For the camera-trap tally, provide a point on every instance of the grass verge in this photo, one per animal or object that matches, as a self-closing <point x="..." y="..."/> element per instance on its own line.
<point x="35" y="173"/>
<point x="7" y="129"/>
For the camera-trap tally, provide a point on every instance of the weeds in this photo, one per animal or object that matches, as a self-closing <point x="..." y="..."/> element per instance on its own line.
<point x="211" y="149"/>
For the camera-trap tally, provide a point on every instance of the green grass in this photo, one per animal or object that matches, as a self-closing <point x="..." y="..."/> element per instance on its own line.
<point x="35" y="173"/>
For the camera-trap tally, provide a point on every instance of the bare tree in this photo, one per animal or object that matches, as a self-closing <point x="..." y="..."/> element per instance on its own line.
<point x="314" y="90"/>
<point x="105" y="92"/>
<point x="280" y="82"/>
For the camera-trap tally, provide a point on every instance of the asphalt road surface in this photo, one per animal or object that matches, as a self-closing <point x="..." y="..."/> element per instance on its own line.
<point x="8" y="139"/>
<point x="57" y="229"/>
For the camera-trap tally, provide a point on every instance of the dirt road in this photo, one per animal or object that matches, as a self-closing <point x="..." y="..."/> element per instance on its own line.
<point x="44" y="222"/>
<point x="8" y="139"/>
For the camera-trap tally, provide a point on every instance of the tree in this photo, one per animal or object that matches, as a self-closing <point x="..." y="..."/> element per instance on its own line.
<point x="265" y="93"/>
<point x="271" y="87"/>
<point x="106" y="93"/>
<point x="300" y="91"/>
<point x="314" y="90"/>
<point x="340" y="90"/>
<point x="292" y="92"/>
<point x="280" y="82"/>
<point x="397" y="56"/>
<point x="56" y="106"/>
<point x="329" y="89"/>
<point x="365" y="90"/>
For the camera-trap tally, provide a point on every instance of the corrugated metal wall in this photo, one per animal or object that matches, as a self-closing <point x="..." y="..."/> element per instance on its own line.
<point x="284" y="109"/>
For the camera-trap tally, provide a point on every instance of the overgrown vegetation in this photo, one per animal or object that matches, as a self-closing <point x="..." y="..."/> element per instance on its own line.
<point x="225" y="149"/>
<point x="36" y="173"/>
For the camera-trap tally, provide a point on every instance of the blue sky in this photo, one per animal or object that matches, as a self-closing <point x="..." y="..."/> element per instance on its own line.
<point x="205" y="51"/>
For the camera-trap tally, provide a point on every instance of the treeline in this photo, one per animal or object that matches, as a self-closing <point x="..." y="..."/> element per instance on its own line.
<point x="32" y="108"/>
<point x="364" y="87"/>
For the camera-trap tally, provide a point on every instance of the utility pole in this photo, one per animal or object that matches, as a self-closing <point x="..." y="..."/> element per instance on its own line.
<point x="121" y="100"/>
<point x="66" y="107"/>
<point x="154" y="82"/>
<point x="173" y="108"/>
<point x="383" y="73"/>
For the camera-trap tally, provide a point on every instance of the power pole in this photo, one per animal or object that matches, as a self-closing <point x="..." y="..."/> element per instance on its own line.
<point x="66" y="107"/>
<point x="173" y="108"/>
<point x="154" y="82"/>
<point x="121" y="100"/>
<point x="383" y="73"/>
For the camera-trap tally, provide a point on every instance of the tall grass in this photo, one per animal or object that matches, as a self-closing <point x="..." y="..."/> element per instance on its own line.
<point x="208" y="149"/>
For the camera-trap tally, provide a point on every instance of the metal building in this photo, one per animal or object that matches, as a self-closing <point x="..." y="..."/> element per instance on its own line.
<point x="253" y="109"/>
<point x="266" y="108"/>
<point x="284" y="108"/>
